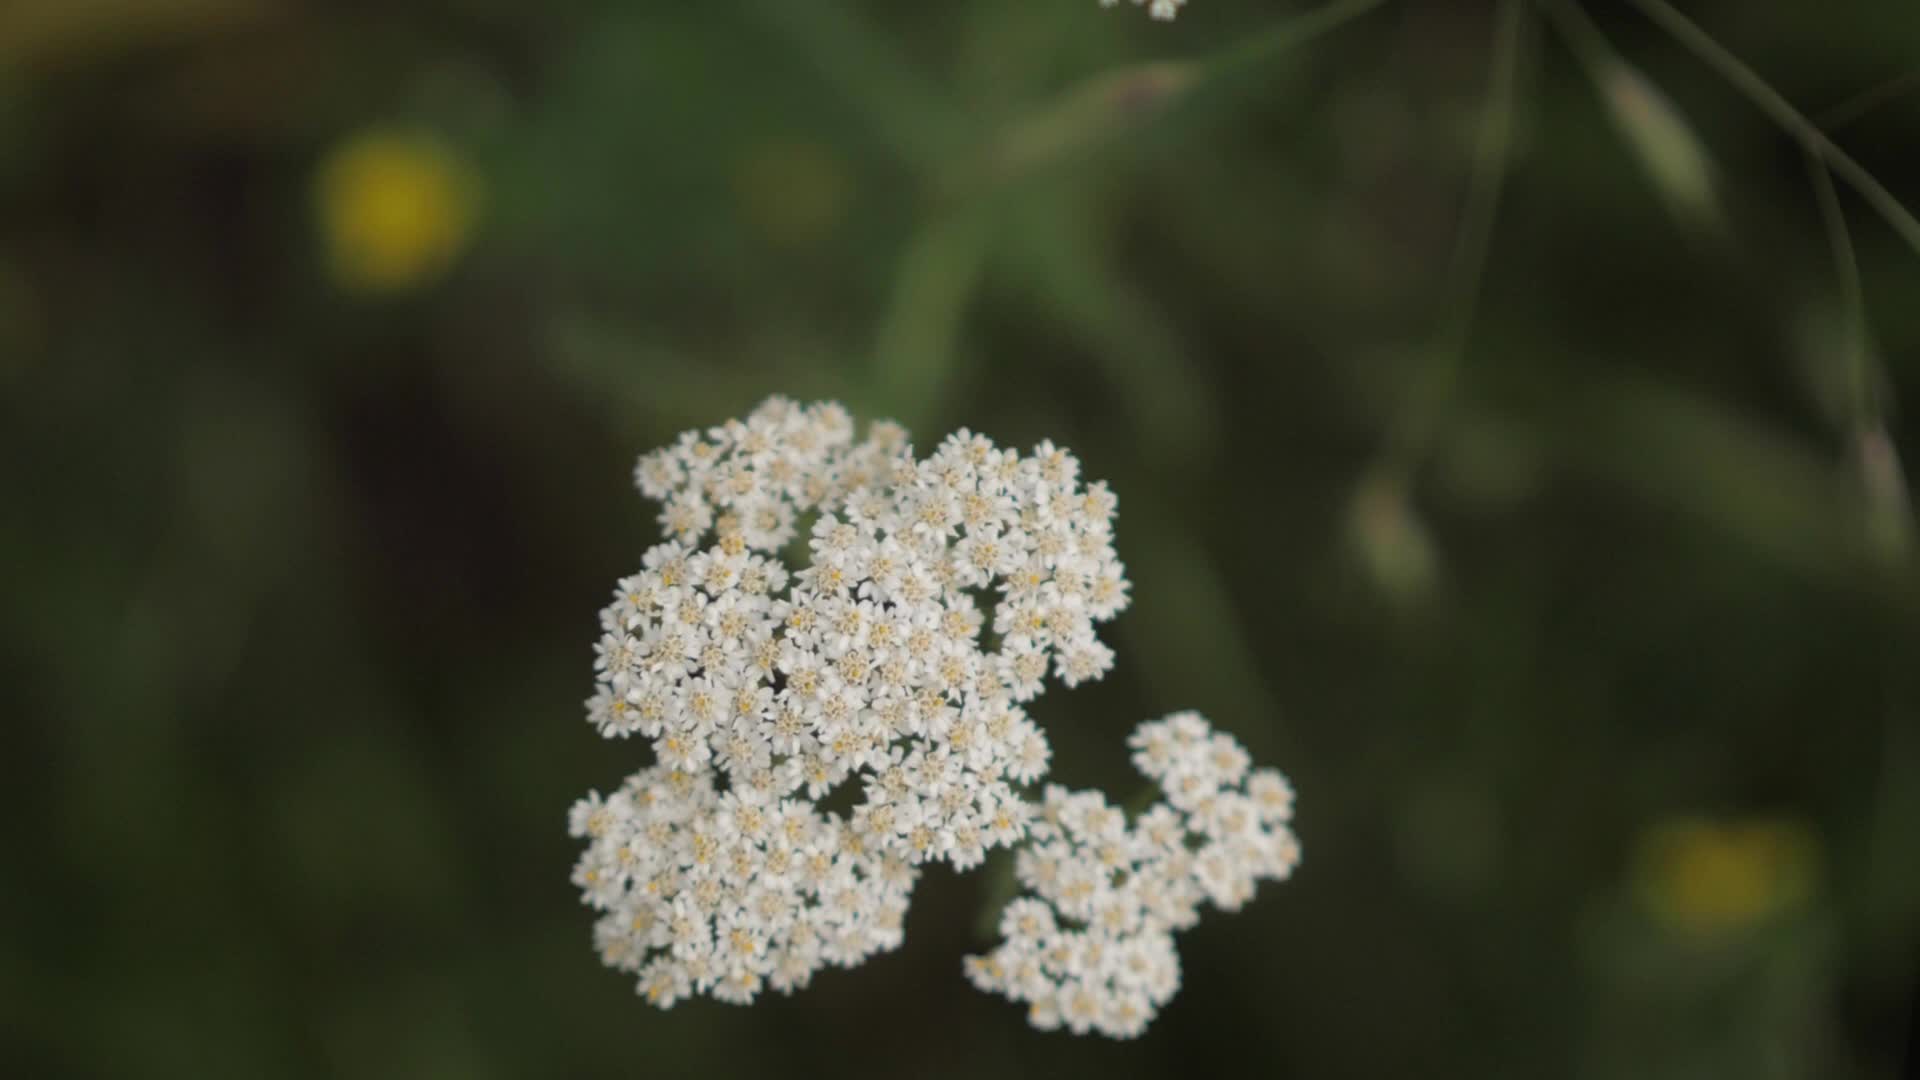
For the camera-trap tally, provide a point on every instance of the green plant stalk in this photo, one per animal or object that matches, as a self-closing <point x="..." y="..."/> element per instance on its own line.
<point x="1868" y="100"/>
<point x="1104" y="107"/>
<point x="1783" y="113"/>
<point x="1419" y="423"/>
<point x="1863" y="408"/>
<point x="941" y="269"/>
<point x="1668" y="151"/>
<point x="1288" y="35"/>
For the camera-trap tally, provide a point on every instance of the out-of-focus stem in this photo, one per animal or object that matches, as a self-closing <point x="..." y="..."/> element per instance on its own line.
<point x="1863" y="407"/>
<point x="1868" y="100"/>
<point x="1419" y="421"/>
<point x="1782" y="112"/>
<point x="1116" y="102"/>
<point x="1287" y="35"/>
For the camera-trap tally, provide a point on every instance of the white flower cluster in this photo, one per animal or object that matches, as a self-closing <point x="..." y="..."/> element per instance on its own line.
<point x="1093" y="950"/>
<point x="763" y="688"/>
<point x="1159" y="9"/>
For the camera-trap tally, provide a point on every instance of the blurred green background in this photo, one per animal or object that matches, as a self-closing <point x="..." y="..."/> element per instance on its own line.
<point x="1584" y="621"/>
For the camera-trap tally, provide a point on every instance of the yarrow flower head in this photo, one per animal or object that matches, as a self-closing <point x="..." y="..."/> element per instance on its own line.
<point x="763" y="682"/>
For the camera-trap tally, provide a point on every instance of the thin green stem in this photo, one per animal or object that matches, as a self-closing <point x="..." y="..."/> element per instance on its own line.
<point x="1756" y="89"/>
<point x="1668" y="152"/>
<point x="1107" y="106"/>
<point x="1583" y="38"/>
<point x="1492" y="159"/>
<point x="1863" y="409"/>
<point x="1289" y="35"/>
<point x="940" y="271"/>
<point x="1868" y="100"/>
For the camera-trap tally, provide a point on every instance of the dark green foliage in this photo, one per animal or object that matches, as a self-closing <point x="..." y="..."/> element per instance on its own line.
<point x="301" y="578"/>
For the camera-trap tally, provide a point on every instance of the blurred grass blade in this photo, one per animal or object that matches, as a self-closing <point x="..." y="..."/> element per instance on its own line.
<point x="1415" y="428"/>
<point x="1127" y="335"/>
<point x="907" y="111"/>
<point x="625" y="374"/>
<point x="1668" y="150"/>
<point x="1109" y="105"/>
<point x="1285" y="36"/>
<point x="1863" y="406"/>
<point x="915" y="344"/>
<point x="1083" y="118"/>
<point x="1870" y="99"/>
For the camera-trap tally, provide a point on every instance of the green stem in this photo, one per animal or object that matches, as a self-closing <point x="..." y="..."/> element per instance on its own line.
<point x="1583" y="38"/>
<point x="1868" y="100"/>
<point x="1109" y="105"/>
<point x="1492" y="158"/>
<point x="1782" y="112"/>
<point x="1288" y="35"/>
<point x="1863" y="409"/>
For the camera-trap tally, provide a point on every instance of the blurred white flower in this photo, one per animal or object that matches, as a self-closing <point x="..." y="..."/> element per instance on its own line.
<point x="1159" y="9"/>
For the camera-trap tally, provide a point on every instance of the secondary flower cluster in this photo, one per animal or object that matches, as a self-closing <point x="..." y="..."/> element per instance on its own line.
<point x="762" y="689"/>
<point x="1159" y="9"/>
<point x="1093" y="949"/>
<point x="869" y="671"/>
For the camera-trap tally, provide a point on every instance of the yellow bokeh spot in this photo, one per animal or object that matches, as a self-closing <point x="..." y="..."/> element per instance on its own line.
<point x="395" y="210"/>
<point x="1704" y="878"/>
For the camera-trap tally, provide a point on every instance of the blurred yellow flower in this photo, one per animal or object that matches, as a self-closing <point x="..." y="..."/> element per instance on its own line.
<point x="1702" y="877"/>
<point x="395" y="210"/>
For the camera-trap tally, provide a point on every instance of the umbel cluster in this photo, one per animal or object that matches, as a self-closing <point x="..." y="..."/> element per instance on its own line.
<point x="810" y="625"/>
